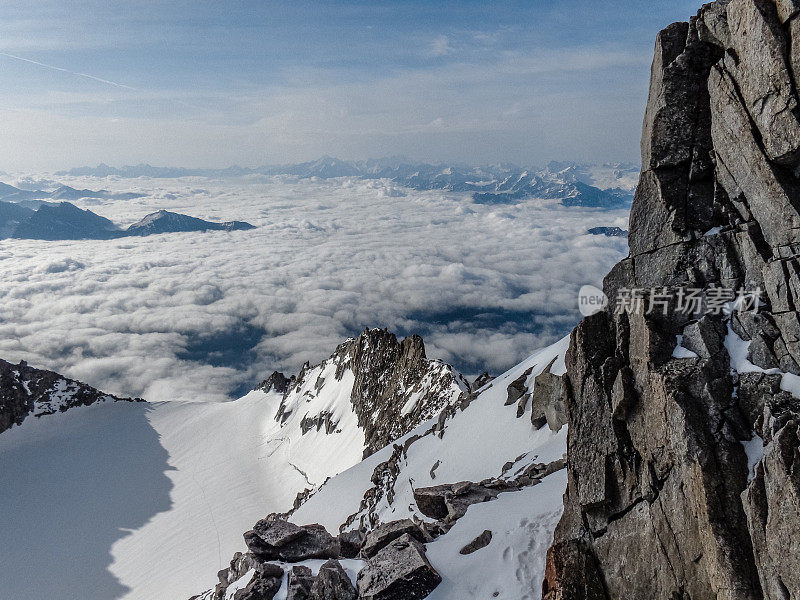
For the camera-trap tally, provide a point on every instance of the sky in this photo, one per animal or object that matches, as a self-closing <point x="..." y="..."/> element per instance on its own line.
<point x="209" y="84"/>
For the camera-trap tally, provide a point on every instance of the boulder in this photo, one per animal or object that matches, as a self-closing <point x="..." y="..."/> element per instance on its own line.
<point x="264" y="585"/>
<point x="517" y="388"/>
<point x="350" y="543"/>
<point x="705" y="337"/>
<point x="277" y="532"/>
<point x="383" y="534"/>
<point x="483" y="540"/>
<point x="293" y="544"/>
<point x="332" y="583"/>
<point x="450" y="502"/>
<point x="400" y="571"/>
<point x="299" y="583"/>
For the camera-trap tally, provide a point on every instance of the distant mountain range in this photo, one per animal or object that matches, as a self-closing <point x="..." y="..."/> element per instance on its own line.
<point x="604" y="186"/>
<point x="35" y="198"/>
<point x="65" y="221"/>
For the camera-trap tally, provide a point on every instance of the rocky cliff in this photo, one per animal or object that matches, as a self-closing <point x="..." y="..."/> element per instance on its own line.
<point x="392" y="387"/>
<point x="683" y="449"/>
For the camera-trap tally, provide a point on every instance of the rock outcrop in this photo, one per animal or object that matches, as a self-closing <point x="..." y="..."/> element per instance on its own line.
<point x="25" y="391"/>
<point x="395" y="387"/>
<point x="683" y="453"/>
<point x="396" y="566"/>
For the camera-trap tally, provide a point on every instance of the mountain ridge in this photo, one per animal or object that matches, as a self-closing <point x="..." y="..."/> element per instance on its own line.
<point x="574" y="183"/>
<point x="65" y="221"/>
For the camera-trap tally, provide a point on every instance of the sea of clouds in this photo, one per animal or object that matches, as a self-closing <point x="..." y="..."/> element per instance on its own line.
<point x="205" y="316"/>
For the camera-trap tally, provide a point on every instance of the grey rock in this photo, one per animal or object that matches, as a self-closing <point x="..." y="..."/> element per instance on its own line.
<point x="655" y="457"/>
<point x="350" y="543"/>
<point x="522" y="404"/>
<point x="763" y="77"/>
<point x="400" y="571"/>
<point x="332" y="583"/>
<point x="313" y="542"/>
<point x="277" y="532"/>
<point x="787" y="9"/>
<point x="264" y="585"/>
<point x="547" y="402"/>
<point x="704" y="337"/>
<point x="766" y="189"/>
<point x="381" y="536"/>
<point x="772" y="504"/>
<point x="25" y="391"/>
<point x="277" y="382"/>
<point x="299" y="582"/>
<point x="518" y="388"/>
<point x="713" y="24"/>
<point x="480" y="381"/>
<point x="450" y="502"/>
<point x="387" y="371"/>
<point x="623" y="394"/>
<point x="483" y="540"/>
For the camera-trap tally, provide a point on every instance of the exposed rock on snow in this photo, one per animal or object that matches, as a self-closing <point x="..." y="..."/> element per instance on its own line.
<point x="656" y="454"/>
<point x="276" y="539"/>
<point x="332" y="583"/>
<point x="378" y="538"/>
<point x="26" y="391"/>
<point x="373" y="504"/>
<point x="299" y="583"/>
<point x="450" y="502"/>
<point x="263" y="585"/>
<point x="400" y="570"/>
<point x="483" y="540"/>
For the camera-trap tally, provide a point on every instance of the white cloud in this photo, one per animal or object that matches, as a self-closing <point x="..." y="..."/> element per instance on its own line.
<point x="486" y="285"/>
<point x="440" y="46"/>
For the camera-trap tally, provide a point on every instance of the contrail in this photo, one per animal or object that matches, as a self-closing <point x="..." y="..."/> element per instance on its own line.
<point x="85" y="75"/>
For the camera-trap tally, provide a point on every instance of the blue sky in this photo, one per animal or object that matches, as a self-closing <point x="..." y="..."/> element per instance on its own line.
<point x="217" y="83"/>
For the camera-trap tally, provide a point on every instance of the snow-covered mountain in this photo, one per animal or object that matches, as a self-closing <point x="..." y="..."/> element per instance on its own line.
<point x="605" y="186"/>
<point x="200" y="474"/>
<point x="652" y="454"/>
<point x="503" y="443"/>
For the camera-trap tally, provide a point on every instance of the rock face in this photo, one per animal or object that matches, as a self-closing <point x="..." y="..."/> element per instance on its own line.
<point x="656" y="448"/>
<point x="395" y="387"/>
<point x="26" y="391"/>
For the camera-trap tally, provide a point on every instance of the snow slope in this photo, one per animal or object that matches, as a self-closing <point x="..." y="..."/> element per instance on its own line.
<point x="145" y="501"/>
<point x="511" y="567"/>
<point x="476" y="444"/>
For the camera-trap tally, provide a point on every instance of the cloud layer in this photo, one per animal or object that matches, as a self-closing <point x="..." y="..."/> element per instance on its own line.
<point x="202" y="316"/>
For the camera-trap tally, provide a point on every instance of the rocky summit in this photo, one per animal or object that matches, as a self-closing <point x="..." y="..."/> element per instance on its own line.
<point x="683" y="455"/>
